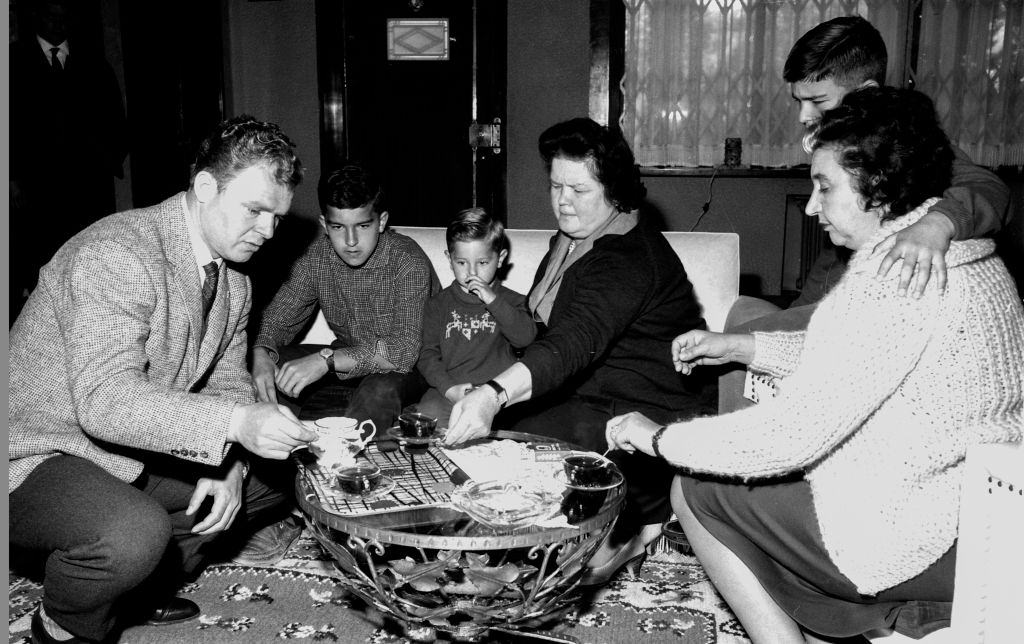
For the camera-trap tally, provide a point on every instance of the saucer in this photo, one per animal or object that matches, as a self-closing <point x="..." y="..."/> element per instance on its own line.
<point x="616" y="481"/>
<point x="386" y="486"/>
<point x="395" y="433"/>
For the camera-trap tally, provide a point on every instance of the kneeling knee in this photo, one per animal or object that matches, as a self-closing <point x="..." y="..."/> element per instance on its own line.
<point x="135" y="547"/>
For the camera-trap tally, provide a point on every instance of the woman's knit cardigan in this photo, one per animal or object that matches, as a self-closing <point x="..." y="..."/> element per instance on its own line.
<point x="882" y="394"/>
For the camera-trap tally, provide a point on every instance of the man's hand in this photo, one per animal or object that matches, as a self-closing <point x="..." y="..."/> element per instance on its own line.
<point x="227" y="500"/>
<point x="294" y="375"/>
<point x="481" y="289"/>
<point x="631" y="432"/>
<point x="709" y="348"/>
<point x="268" y="430"/>
<point x="472" y="417"/>
<point x="456" y="393"/>
<point x="264" y="373"/>
<point x="922" y="247"/>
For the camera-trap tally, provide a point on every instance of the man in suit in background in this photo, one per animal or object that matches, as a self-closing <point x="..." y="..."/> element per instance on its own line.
<point x="132" y="414"/>
<point x="68" y="139"/>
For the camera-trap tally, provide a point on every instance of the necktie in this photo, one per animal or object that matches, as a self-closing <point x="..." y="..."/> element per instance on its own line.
<point x="54" y="60"/>
<point x="209" y="287"/>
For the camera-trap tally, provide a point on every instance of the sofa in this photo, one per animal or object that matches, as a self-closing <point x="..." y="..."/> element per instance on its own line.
<point x="711" y="261"/>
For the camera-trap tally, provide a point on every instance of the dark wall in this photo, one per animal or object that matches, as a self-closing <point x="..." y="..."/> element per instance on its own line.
<point x="753" y="207"/>
<point x="273" y="74"/>
<point x="271" y="54"/>
<point x="548" y="82"/>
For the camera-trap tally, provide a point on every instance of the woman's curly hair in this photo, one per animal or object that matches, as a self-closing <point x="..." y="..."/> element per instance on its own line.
<point x="891" y="141"/>
<point x="606" y="154"/>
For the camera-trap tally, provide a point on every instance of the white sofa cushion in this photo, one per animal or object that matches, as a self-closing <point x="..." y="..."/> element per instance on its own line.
<point x="711" y="260"/>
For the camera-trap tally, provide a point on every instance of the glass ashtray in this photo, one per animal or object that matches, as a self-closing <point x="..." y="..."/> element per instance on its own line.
<point x="504" y="504"/>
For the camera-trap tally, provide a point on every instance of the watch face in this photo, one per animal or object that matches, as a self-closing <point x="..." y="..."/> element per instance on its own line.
<point x="326" y="353"/>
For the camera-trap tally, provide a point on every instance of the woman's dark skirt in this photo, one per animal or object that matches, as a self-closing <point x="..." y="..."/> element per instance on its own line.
<point x="773" y="530"/>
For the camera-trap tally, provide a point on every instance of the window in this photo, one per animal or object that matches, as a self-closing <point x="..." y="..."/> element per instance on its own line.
<point x="699" y="71"/>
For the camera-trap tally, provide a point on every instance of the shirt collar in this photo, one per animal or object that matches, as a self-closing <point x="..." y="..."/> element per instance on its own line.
<point x="200" y="250"/>
<point x="381" y="253"/>
<point x="47" y="46"/>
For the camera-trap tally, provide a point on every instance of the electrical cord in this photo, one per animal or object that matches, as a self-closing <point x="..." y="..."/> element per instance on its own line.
<point x="707" y="204"/>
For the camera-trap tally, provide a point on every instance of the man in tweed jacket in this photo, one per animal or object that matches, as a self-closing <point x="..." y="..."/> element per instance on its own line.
<point x="131" y="412"/>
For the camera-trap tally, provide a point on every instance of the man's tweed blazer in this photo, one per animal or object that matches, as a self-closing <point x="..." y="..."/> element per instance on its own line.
<point x="108" y="357"/>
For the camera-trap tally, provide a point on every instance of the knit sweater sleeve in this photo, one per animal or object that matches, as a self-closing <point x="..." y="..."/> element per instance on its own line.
<point x="860" y="345"/>
<point x="777" y="353"/>
<point x="431" y="362"/>
<point x="513" y="317"/>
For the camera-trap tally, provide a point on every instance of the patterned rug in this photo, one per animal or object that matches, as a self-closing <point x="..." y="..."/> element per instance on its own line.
<point x="671" y="600"/>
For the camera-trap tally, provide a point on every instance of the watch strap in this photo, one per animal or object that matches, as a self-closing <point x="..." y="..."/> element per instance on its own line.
<point x="499" y="391"/>
<point x="329" y="359"/>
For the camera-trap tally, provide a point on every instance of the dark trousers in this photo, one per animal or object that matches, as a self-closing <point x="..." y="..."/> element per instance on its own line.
<point x="114" y="550"/>
<point x="379" y="397"/>
<point x="582" y="421"/>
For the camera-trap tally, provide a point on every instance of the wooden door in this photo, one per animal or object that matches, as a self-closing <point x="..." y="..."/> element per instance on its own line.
<point x="174" y="89"/>
<point x="397" y="94"/>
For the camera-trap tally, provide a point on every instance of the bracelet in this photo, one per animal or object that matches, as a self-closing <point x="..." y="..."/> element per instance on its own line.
<point x="657" y="439"/>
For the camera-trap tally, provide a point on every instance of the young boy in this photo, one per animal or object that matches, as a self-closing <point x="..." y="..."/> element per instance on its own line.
<point x="371" y="284"/>
<point x="471" y="328"/>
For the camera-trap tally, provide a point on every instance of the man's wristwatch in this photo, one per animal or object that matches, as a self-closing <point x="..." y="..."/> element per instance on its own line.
<point x="327" y="354"/>
<point x="499" y="392"/>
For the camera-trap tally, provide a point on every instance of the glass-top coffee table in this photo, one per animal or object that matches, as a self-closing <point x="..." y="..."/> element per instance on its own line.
<point x="407" y="550"/>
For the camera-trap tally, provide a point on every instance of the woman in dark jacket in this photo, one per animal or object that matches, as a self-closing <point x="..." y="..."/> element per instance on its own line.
<point x="610" y="296"/>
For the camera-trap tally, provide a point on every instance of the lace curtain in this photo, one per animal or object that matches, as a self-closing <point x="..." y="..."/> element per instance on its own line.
<point x="699" y="71"/>
<point x="971" y="63"/>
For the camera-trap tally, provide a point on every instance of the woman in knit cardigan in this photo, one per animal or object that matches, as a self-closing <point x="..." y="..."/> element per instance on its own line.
<point x="831" y="510"/>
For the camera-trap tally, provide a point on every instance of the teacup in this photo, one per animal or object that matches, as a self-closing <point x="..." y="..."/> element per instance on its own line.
<point x="359" y="479"/>
<point x="587" y="470"/>
<point x="340" y="439"/>
<point x="417" y="425"/>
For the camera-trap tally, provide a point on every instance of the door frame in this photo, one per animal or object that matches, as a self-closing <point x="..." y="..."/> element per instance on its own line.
<point x="333" y="90"/>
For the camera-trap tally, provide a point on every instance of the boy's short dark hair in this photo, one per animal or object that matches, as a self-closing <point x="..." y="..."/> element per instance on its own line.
<point x="474" y="224"/>
<point x="849" y="50"/>
<point x="349" y="186"/>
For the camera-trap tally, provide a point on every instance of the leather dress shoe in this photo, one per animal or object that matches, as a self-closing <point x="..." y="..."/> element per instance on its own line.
<point x="175" y="611"/>
<point x="40" y="636"/>
<point x="269" y="545"/>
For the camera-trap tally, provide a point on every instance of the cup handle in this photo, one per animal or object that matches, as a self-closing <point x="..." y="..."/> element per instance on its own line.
<point x="373" y="430"/>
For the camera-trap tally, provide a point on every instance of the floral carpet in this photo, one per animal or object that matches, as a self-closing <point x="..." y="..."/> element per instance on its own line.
<point x="671" y="600"/>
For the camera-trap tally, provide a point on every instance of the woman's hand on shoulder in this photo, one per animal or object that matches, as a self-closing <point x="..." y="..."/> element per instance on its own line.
<point x="631" y="432"/>
<point x="699" y="347"/>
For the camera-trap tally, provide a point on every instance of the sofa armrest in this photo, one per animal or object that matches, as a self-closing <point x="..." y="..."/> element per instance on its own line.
<point x="747" y="308"/>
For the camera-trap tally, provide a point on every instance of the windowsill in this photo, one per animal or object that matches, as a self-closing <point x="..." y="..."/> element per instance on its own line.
<point x="800" y="172"/>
